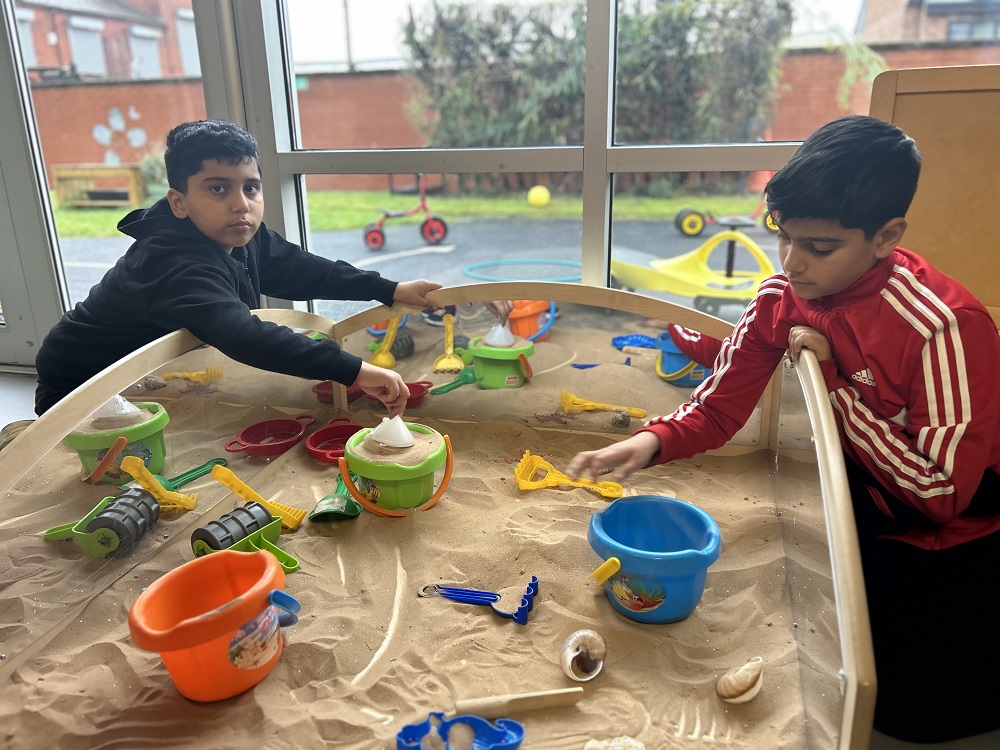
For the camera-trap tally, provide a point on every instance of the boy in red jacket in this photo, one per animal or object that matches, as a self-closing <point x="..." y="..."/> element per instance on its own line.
<point x="910" y="359"/>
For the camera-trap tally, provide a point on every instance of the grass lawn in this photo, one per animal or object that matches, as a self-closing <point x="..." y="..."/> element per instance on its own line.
<point x="335" y="211"/>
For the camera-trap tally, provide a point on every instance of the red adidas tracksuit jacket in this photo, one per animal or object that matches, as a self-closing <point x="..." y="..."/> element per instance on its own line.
<point x="913" y="382"/>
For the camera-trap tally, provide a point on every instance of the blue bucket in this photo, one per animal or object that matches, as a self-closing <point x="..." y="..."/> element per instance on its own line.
<point x="677" y="368"/>
<point x="664" y="547"/>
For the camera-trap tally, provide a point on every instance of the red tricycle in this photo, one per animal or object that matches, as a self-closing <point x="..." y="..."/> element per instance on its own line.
<point x="433" y="229"/>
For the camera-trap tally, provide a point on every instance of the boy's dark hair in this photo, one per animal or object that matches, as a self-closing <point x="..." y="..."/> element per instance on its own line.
<point x="857" y="170"/>
<point x="191" y="143"/>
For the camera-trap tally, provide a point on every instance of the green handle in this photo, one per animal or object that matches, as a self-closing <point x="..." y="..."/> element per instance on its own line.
<point x="288" y="563"/>
<point x="60" y="533"/>
<point x="447" y="387"/>
<point x="189" y="476"/>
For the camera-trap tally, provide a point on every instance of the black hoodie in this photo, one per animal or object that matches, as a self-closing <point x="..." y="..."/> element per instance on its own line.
<point x="174" y="277"/>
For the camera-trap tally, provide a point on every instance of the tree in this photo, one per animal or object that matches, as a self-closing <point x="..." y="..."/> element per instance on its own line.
<point x="512" y="75"/>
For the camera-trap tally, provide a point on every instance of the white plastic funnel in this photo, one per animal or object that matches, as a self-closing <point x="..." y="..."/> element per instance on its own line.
<point x="499" y="336"/>
<point x="391" y="432"/>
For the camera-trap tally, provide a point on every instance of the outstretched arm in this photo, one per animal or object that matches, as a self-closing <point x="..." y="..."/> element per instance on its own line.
<point x="385" y="385"/>
<point x="622" y="459"/>
<point x="415" y="293"/>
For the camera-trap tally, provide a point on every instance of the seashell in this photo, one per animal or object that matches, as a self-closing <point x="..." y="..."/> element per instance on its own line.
<point x="582" y="655"/>
<point x="741" y="685"/>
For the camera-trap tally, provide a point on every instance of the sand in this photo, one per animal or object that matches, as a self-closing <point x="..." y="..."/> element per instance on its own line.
<point x="368" y="655"/>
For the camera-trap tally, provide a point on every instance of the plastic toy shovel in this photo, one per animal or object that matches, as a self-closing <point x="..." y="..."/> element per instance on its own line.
<point x="168" y="500"/>
<point x="570" y="402"/>
<point x="534" y="472"/>
<point x="466" y="377"/>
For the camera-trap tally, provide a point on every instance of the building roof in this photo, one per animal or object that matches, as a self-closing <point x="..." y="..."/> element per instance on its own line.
<point x="117" y="9"/>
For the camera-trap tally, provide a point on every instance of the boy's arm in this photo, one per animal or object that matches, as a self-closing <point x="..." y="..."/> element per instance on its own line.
<point x="289" y="272"/>
<point x="203" y="300"/>
<point x="721" y="405"/>
<point x="934" y="457"/>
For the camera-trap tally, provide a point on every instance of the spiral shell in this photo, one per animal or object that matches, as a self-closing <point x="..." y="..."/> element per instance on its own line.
<point x="582" y="655"/>
<point x="742" y="684"/>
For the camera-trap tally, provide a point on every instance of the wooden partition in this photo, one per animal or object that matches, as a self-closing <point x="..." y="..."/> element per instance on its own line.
<point x="952" y="113"/>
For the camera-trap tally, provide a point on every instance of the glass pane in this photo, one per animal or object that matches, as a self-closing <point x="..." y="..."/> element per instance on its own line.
<point x="465" y="229"/>
<point x="107" y="158"/>
<point x="696" y="239"/>
<point x="459" y="75"/>
<point x="745" y="71"/>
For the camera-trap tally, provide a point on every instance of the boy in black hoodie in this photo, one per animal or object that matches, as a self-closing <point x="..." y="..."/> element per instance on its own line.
<point x="201" y="259"/>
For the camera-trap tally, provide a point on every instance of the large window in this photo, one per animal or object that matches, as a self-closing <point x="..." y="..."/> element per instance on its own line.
<point x="187" y="40"/>
<point x="25" y="18"/>
<point x="144" y="44"/>
<point x="86" y="46"/>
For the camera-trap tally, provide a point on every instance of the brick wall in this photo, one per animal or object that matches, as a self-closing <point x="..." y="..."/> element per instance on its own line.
<point x="67" y="115"/>
<point x="807" y="91"/>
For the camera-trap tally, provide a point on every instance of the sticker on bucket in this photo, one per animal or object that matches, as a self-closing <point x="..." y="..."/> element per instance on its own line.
<point x="512" y="380"/>
<point x="637" y="593"/>
<point x="368" y="488"/>
<point x="256" y="643"/>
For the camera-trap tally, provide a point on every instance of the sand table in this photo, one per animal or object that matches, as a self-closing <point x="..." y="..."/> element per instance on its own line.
<point x="368" y="654"/>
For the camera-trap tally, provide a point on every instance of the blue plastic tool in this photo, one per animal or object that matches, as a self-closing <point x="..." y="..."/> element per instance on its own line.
<point x="506" y="734"/>
<point x="493" y="599"/>
<point x="634" y="339"/>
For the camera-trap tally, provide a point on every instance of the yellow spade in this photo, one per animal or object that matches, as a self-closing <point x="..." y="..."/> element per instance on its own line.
<point x="449" y="361"/>
<point x="167" y="499"/>
<point x="570" y="402"/>
<point x="290" y="517"/>
<point x="383" y="356"/>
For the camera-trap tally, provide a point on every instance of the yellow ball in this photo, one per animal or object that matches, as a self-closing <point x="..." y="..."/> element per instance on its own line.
<point x="539" y="196"/>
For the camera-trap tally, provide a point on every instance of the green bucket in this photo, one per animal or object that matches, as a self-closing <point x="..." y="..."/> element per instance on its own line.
<point x="500" y="367"/>
<point x="145" y="441"/>
<point x="393" y="486"/>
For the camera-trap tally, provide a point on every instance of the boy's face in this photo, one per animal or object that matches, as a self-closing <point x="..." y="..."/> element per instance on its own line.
<point x="821" y="258"/>
<point x="225" y="201"/>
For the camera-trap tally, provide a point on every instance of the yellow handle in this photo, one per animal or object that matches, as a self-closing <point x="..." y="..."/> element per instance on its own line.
<point x="449" y="333"/>
<point x="166" y="498"/>
<point x="611" y="566"/>
<point x="605" y="489"/>
<point x="290" y="517"/>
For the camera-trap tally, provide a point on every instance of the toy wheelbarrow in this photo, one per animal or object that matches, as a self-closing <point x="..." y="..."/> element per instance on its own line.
<point x="247" y="529"/>
<point x="499" y="601"/>
<point x="528" y="468"/>
<point x="113" y="527"/>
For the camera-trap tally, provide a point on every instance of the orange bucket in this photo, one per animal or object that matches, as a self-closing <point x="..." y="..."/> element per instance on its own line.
<point x="215" y="622"/>
<point x="524" y="318"/>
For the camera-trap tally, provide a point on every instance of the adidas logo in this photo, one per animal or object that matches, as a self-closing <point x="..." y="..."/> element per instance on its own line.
<point x="864" y="376"/>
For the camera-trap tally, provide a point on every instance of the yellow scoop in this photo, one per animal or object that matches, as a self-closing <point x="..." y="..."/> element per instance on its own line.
<point x="202" y="377"/>
<point x="290" y="517"/>
<point x="167" y="499"/>
<point x="529" y="466"/>
<point x="569" y="403"/>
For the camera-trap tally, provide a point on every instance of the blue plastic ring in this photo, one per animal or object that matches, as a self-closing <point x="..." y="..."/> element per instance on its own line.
<point x="471" y="269"/>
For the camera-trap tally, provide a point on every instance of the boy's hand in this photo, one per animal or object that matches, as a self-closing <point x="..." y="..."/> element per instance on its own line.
<point x="624" y="458"/>
<point x="804" y="337"/>
<point x="415" y="293"/>
<point x="385" y="385"/>
<point x="502" y="308"/>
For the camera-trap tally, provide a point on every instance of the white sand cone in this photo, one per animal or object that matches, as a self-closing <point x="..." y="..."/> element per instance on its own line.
<point x="499" y="336"/>
<point x="391" y="432"/>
